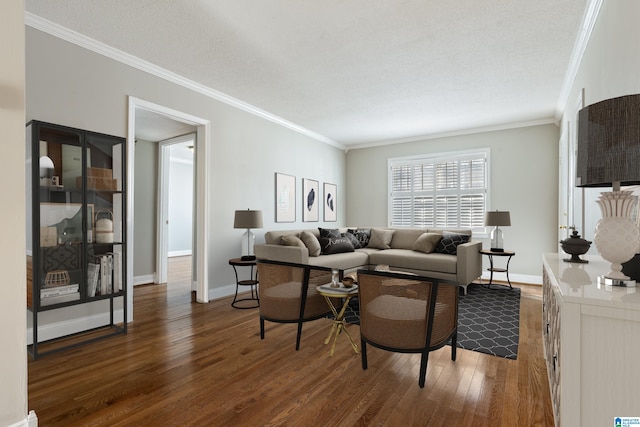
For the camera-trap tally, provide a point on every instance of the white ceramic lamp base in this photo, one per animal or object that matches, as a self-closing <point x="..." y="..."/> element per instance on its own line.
<point x="617" y="237"/>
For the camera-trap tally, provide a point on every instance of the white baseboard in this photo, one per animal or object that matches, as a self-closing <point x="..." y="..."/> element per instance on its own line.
<point x="144" y="279"/>
<point x="62" y="328"/>
<point x="30" y="421"/>
<point x="224" y="291"/>
<point x="179" y="253"/>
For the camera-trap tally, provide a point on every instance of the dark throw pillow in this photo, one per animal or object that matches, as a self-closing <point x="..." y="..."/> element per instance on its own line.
<point x="354" y="241"/>
<point x="335" y="245"/>
<point x="449" y="243"/>
<point x="329" y="232"/>
<point x="362" y="234"/>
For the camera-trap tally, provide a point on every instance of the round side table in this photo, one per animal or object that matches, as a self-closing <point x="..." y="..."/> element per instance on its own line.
<point x="252" y="283"/>
<point x="492" y="269"/>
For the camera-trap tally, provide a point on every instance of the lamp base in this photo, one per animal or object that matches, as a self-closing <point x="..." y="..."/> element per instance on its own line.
<point x="248" y="257"/>
<point x="497" y="249"/>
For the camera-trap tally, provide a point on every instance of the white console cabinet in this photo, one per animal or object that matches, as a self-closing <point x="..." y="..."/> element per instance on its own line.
<point x="591" y="335"/>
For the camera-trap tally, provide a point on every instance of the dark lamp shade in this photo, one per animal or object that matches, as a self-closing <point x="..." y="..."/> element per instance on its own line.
<point x="248" y="219"/>
<point x="609" y="143"/>
<point x="497" y="218"/>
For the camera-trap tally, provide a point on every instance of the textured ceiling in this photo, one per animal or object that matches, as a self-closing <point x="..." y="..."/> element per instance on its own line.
<point x="354" y="71"/>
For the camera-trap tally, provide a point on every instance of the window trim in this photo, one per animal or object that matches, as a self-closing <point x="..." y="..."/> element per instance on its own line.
<point x="438" y="156"/>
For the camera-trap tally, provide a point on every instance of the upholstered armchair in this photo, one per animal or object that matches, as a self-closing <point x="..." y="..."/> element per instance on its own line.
<point x="408" y="314"/>
<point x="288" y="294"/>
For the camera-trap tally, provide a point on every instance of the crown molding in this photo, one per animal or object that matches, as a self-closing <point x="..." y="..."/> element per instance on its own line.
<point x="579" y="48"/>
<point x="100" y="48"/>
<point x="469" y="131"/>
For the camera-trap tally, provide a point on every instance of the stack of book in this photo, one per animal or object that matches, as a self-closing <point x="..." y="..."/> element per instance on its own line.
<point x="58" y="294"/>
<point x="105" y="275"/>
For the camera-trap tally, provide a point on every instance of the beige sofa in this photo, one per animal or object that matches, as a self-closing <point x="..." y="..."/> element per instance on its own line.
<point x="463" y="267"/>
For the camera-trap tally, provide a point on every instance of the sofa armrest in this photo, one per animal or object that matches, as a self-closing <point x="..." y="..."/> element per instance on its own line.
<point x="294" y="254"/>
<point x="469" y="265"/>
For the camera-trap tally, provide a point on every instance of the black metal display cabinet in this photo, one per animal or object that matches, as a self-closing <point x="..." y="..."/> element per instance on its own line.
<point x="76" y="232"/>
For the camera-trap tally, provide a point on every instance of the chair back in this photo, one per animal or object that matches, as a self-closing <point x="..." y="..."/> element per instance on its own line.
<point x="405" y="312"/>
<point x="288" y="293"/>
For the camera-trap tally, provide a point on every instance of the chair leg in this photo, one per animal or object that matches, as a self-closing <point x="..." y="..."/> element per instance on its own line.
<point x="299" y="335"/>
<point x="261" y="328"/>
<point x="454" y="346"/>
<point x="363" y="354"/>
<point x="423" y="368"/>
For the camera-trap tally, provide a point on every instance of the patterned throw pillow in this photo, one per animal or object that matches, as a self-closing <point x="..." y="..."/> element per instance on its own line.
<point x="352" y="238"/>
<point x="329" y="232"/>
<point x="449" y="243"/>
<point x="362" y="234"/>
<point x="335" y="245"/>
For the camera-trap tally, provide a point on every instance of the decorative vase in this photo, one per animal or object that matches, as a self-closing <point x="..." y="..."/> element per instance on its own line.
<point x="575" y="246"/>
<point x="617" y="236"/>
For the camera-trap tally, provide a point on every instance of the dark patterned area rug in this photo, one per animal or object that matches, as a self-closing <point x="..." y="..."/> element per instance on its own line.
<point x="488" y="320"/>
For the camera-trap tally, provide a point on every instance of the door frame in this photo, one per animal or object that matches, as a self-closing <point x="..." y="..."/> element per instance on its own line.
<point x="201" y="200"/>
<point x="162" y="232"/>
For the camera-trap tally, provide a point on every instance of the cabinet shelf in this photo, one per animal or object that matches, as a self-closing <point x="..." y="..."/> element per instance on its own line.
<point x="69" y="168"/>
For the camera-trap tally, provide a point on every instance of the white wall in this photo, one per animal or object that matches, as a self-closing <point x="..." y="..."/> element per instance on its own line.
<point x="610" y="68"/>
<point x="144" y="210"/>
<point x="13" y="370"/>
<point x="180" y="201"/>
<point x="523" y="180"/>
<point x="70" y="85"/>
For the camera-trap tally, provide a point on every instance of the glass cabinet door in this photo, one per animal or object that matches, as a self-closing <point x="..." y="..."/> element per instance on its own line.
<point x="104" y="185"/>
<point x="62" y="220"/>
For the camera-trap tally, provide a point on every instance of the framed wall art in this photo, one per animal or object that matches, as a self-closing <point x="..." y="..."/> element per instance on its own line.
<point x="285" y="198"/>
<point x="330" y="200"/>
<point x="310" y="199"/>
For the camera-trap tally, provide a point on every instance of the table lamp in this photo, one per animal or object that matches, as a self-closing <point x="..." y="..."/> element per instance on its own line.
<point x="608" y="156"/>
<point x="248" y="219"/>
<point x="497" y="219"/>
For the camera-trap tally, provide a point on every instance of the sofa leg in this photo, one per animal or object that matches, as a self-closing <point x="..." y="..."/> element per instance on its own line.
<point x="261" y="328"/>
<point x="454" y="346"/>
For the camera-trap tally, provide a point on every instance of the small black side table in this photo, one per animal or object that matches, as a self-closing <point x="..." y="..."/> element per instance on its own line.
<point x="252" y="282"/>
<point x="493" y="269"/>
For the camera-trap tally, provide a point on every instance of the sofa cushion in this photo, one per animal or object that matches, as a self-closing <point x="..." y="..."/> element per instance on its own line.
<point x="362" y="234"/>
<point x="400" y="259"/>
<point x="404" y="238"/>
<point x="381" y="238"/>
<point x="343" y="261"/>
<point x="335" y="245"/>
<point x="450" y="241"/>
<point x="311" y="242"/>
<point x="427" y="242"/>
<point x="291" y="240"/>
<point x="329" y="232"/>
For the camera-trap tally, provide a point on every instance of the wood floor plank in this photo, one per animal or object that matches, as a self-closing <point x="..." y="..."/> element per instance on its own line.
<point x="189" y="364"/>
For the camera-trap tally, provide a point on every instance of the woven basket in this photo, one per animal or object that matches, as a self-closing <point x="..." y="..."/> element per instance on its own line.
<point x="57" y="278"/>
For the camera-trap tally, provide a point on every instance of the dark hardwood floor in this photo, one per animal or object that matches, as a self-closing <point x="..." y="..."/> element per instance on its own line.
<point x="189" y="364"/>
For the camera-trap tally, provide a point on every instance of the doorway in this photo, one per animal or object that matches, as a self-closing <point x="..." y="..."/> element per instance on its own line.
<point x="175" y="211"/>
<point x="139" y="112"/>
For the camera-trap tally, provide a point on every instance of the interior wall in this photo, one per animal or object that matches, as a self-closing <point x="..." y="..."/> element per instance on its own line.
<point x="13" y="313"/>
<point x="70" y="85"/>
<point x="180" y="202"/>
<point x="144" y="210"/>
<point x="609" y="68"/>
<point x="523" y="179"/>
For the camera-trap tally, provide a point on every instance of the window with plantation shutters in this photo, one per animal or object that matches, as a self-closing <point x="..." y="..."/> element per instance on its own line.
<point x="445" y="191"/>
